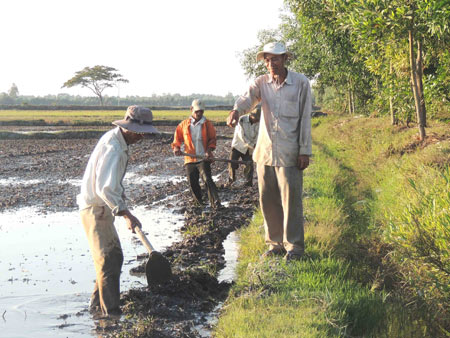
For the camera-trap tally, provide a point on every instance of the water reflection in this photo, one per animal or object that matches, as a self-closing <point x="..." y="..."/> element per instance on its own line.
<point x="47" y="274"/>
<point x="228" y="273"/>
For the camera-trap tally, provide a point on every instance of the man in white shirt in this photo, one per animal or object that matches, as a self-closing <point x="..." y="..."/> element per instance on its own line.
<point x="102" y="198"/>
<point x="242" y="146"/>
<point x="282" y="150"/>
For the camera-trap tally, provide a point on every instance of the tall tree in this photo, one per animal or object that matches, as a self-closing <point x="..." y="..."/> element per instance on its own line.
<point x="381" y="30"/>
<point x="97" y="79"/>
<point x="251" y="67"/>
<point x="324" y="50"/>
<point x="13" y="91"/>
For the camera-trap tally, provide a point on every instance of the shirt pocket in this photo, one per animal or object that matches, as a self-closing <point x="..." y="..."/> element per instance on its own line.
<point x="290" y="109"/>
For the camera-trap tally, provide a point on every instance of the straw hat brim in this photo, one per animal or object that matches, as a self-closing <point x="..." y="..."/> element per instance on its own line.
<point x="260" y="55"/>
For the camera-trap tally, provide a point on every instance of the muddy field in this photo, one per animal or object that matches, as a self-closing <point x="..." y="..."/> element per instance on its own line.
<point x="184" y="306"/>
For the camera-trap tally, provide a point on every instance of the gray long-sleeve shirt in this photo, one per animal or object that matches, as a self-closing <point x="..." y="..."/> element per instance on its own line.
<point x="285" y="126"/>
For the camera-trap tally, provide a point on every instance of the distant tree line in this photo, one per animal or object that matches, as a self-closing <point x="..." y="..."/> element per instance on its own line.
<point x="175" y="100"/>
<point x="97" y="79"/>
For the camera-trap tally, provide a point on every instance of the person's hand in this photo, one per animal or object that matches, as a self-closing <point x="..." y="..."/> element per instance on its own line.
<point x="177" y="151"/>
<point x="131" y="220"/>
<point x="303" y="162"/>
<point x="209" y="156"/>
<point x="233" y="118"/>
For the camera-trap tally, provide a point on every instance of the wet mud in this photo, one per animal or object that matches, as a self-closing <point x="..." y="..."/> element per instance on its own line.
<point x="182" y="306"/>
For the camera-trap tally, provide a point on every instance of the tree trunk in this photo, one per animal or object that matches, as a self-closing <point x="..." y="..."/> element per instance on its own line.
<point x="391" y="100"/>
<point x="351" y="106"/>
<point x="415" y="86"/>
<point x="419" y="65"/>
<point x="350" y="102"/>
<point x="352" y="93"/>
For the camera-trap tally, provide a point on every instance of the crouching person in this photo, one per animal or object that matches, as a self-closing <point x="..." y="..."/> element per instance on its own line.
<point x="102" y="199"/>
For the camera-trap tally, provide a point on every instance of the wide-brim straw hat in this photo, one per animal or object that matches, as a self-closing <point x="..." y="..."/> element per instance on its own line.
<point x="276" y="48"/>
<point x="137" y="119"/>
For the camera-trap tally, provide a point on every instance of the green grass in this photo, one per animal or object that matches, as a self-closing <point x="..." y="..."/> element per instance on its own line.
<point x="310" y="298"/>
<point x="94" y="117"/>
<point x="349" y="284"/>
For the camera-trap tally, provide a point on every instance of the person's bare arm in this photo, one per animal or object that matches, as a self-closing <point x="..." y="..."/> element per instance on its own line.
<point x="233" y="118"/>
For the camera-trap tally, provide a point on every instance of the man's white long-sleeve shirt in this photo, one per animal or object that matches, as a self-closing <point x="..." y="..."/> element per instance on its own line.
<point x="102" y="180"/>
<point x="285" y="125"/>
<point x="245" y="135"/>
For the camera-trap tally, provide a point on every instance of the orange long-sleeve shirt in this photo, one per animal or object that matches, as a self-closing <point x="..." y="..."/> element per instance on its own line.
<point x="183" y="135"/>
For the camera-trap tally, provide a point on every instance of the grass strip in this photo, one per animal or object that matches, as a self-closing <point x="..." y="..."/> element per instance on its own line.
<point x="346" y="285"/>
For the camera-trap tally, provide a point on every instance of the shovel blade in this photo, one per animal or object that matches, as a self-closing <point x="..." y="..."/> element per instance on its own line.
<point x="157" y="269"/>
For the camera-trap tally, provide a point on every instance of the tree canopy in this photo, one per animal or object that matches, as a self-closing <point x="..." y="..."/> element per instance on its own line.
<point x="369" y="56"/>
<point x="13" y="92"/>
<point x="97" y="79"/>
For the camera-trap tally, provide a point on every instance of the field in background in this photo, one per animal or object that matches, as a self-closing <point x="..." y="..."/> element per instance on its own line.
<point x="94" y="117"/>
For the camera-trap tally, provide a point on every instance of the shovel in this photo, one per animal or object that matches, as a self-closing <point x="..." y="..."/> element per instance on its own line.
<point x="157" y="268"/>
<point x="217" y="159"/>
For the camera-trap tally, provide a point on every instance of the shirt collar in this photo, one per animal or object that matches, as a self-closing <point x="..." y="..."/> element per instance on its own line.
<point x="121" y="139"/>
<point x="201" y="121"/>
<point x="287" y="80"/>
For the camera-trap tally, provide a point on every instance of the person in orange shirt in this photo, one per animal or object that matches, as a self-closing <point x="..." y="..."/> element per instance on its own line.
<point x="199" y="137"/>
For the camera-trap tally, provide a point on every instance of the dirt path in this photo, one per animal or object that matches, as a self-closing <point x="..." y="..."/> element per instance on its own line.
<point x="170" y="310"/>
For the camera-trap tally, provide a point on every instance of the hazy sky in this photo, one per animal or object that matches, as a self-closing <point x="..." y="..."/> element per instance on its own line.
<point x="160" y="46"/>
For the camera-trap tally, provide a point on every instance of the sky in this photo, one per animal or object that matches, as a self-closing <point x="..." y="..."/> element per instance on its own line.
<point x="161" y="47"/>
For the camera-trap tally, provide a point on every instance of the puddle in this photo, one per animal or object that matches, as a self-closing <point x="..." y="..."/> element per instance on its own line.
<point x="135" y="178"/>
<point x="205" y="331"/>
<point x="31" y="132"/>
<point x="130" y="178"/>
<point x="47" y="274"/>
<point x="18" y="181"/>
<point x="228" y="273"/>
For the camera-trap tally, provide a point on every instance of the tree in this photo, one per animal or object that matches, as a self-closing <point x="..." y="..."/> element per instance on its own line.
<point x="13" y="91"/>
<point x="251" y="67"/>
<point x="325" y="52"/>
<point x="97" y="79"/>
<point x="381" y="29"/>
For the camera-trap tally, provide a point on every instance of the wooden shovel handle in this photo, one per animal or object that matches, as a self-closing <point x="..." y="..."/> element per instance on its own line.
<point x="144" y="240"/>
<point x="217" y="159"/>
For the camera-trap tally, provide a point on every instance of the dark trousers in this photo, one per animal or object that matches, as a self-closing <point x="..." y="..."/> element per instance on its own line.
<point x="248" y="170"/>
<point x="194" y="172"/>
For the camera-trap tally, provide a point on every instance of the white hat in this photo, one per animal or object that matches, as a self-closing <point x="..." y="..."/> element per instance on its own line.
<point x="276" y="48"/>
<point x="137" y="119"/>
<point x="197" y="104"/>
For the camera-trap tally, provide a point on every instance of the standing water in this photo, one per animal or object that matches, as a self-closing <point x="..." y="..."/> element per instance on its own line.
<point x="47" y="273"/>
